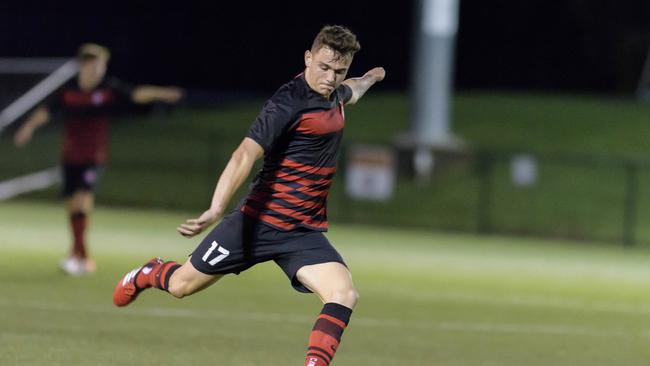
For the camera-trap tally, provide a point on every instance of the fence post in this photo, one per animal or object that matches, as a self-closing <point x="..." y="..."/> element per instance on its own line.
<point x="483" y="223"/>
<point x="630" y="208"/>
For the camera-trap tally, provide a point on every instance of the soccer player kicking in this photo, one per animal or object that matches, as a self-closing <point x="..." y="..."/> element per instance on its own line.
<point x="284" y="216"/>
<point x="86" y="105"/>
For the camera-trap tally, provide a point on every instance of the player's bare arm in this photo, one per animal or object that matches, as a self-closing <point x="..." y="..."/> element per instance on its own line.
<point x="39" y="117"/>
<point x="236" y="171"/>
<point x="144" y="94"/>
<point x="361" y="85"/>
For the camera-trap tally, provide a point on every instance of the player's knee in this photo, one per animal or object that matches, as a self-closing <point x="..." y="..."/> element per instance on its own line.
<point x="348" y="297"/>
<point x="353" y="297"/>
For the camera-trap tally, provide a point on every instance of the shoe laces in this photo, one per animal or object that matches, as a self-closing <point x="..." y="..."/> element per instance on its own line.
<point x="129" y="279"/>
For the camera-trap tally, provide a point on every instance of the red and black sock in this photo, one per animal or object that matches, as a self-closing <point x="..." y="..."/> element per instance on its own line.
<point x="164" y="274"/>
<point x="78" y="223"/>
<point x="326" y="334"/>
<point x="156" y="275"/>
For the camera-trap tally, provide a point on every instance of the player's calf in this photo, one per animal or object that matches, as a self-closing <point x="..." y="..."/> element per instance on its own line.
<point x="188" y="280"/>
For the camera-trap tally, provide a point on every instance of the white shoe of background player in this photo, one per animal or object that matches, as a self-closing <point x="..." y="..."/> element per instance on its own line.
<point x="76" y="266"/>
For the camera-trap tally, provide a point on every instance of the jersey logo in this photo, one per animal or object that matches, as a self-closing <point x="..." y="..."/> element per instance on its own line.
<point x="74" y="98"/>
<point x="97" y="97"/>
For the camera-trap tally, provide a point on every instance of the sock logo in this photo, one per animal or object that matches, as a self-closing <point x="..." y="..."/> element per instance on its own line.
<point x="146" y="270"/>
<point x="312" y="361"/>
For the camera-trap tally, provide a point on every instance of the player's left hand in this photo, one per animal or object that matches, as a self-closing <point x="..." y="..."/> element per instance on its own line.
<point x="22" y="136"/>
<point x="173" y="94"/>
<point x="378" y="73"/>
<point x="193" y="227"/>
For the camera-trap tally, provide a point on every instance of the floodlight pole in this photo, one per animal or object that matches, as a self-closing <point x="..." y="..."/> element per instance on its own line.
<point x="432" y="81"/>
<point x="643" y="91"/>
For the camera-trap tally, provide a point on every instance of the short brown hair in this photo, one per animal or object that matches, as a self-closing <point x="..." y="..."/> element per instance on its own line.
<point x="338" y="38"/>
<point x="91" y="51"/>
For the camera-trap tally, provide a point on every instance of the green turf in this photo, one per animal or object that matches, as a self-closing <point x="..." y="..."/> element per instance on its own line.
<point x="426" y="299"/>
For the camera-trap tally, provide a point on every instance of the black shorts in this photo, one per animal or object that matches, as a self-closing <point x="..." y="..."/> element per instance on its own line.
<point x="80" y="177"/>
<point x="239" y="242"/>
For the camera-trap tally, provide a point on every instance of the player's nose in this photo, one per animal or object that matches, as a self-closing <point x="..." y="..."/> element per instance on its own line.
<point x="330" y="76"/>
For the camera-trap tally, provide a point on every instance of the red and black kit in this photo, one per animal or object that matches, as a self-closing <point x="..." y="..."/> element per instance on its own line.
<point x="86" y="117"/>
<point x="285" y="213"/>
<point x="300" y="132"/>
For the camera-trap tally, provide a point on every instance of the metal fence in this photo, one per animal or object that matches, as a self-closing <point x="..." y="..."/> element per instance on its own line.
<point x="572" y="196"/>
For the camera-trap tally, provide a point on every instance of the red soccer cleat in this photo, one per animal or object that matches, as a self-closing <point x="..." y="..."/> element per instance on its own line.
<point x="134" y="282"/>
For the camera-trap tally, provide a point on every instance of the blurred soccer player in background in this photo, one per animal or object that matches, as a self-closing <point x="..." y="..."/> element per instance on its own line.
<point x="298" y="132"/>
<point x="86" y="105"/>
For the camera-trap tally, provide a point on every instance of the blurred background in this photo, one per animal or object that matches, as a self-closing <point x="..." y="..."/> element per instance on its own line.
<point x="492" y="198"/>
<point x="545" y="127"/>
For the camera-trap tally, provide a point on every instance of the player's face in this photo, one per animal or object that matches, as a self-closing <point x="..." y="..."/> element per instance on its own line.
<point x="92" y="71"/>
<point x="325" y="70"/>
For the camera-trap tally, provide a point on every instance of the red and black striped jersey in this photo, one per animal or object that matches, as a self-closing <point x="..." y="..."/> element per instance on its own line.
<point x="300" y="132"/>
<point x="86" y="116"/>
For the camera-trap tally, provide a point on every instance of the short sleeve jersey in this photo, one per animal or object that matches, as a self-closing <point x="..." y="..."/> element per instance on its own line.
<point x="86" y="118"/>
<point x="300" y="132"/>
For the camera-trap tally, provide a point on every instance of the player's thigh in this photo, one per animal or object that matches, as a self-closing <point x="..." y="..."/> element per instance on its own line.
<point x="331" y="281"/>
<point x="187" y="279"/>
<point x="228" y="247"/>
<point x="80" y="178"/>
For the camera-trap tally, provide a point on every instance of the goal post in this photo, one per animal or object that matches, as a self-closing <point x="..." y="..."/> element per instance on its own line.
<point x="66" y="70"/>
<point x="24" y="83"/>
<point x="30" y="182"/>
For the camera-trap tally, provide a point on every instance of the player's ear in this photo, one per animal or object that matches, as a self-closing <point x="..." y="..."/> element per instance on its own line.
<point x="308" y="58"/>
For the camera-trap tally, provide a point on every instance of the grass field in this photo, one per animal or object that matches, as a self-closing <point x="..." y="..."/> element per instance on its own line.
<point x="426" y="299"/>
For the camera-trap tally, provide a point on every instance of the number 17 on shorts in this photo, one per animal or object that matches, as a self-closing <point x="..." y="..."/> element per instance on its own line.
<point x="215" y="246"/>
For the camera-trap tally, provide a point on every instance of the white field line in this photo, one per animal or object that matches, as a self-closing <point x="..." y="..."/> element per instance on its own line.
<point x="526" y="301"/>
<point x="367" y="322"/>
<point x="533" y="329"/>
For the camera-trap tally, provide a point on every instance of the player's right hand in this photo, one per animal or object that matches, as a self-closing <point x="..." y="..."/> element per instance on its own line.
<point x="22" y="137"/>
<point x="193" y="227"/>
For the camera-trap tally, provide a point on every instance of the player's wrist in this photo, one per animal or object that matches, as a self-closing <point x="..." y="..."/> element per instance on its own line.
<point x="215" y="211"/>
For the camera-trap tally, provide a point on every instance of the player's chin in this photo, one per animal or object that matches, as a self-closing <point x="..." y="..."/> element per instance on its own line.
<point x="326" y="90"/>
